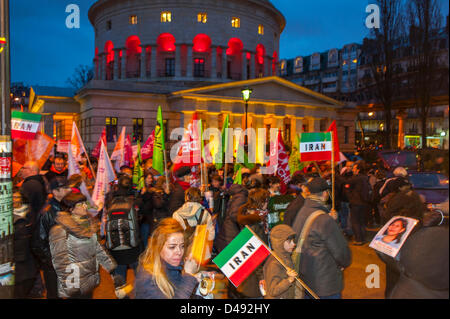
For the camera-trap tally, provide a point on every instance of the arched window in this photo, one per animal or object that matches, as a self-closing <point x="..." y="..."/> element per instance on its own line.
<point x="109" y="53"/>
<point x="166" y="54"/>
<point x="134" y="50"/>
<point x="201" y="55"/>
<point x="259" y="60"/>
<point x="234" y="59"/>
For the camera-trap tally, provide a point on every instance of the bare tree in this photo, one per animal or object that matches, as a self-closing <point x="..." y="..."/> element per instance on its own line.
<point x="428" y="72"/>
<point x="380" y="48"/>
<point x="81" y="76"/>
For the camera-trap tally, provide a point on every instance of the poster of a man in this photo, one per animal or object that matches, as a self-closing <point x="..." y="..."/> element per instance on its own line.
<point x="391" y="236"/>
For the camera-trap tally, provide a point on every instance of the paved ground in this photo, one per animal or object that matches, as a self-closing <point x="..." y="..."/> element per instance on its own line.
<point x="354" y="277"/>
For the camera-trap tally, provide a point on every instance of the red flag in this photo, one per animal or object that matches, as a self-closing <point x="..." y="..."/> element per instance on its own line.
<point x="128" y="152"/>
<point x="147" y="149"/>
<point x="333" y="131"/>
<point x="190" y="151"/>
<point x="281" y="161"/>
<point x="96" y="152"/>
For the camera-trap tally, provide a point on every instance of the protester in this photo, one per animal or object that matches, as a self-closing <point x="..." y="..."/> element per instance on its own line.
<point x="182" y="183"/>
<point x="74" y="245"/>
<point x="279" y="282"/>
<point x="25" y="265"/>
<point x="324" y="251"/>
<point x="343" y="191"/>
<point x="160" y="273"/>
<point x="294" y="207"/>
<point x="47" y="219"/>
<point x="57" y="169"/>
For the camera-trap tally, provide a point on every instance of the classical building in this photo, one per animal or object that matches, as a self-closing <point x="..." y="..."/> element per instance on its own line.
<point x="195" y="56"/>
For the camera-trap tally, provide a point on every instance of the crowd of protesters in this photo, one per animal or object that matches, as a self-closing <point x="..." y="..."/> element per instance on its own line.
<point x="150" y="231"/>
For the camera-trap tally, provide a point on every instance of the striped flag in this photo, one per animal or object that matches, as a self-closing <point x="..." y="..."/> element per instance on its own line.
<point x="238" y="260"/>
<point x="24" y="125"/>
<point x="315" y="147"/>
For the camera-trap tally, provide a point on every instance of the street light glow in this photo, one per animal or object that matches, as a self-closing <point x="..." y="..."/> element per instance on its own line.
<point x="246" y="94"/>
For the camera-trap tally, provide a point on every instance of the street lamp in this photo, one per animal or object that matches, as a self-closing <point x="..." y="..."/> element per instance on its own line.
<point x="246" y="97"/>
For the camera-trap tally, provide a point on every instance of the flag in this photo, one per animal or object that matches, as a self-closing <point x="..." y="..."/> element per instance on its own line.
<point x="333" y="130"/>
<point x="159" y="145"/>
<point x="96" y="152"/>
<point x="238" y="178"/>
<point x="118" y="154"/>
<point x="294" y="158"/>
<point x="189" y="153"/>
<point x="280" y="159"/>
<point x="238" y="260"/>
<point x="128" y="152"/>
<point x="105" y="175"/>
<point x="315" y="147"/>
<point x="147" y="148"/>
<point x="201" y="246"/>
<point x="221" y="154"/>
<point x="24" y="125"/>
<point x="138" y="172"/>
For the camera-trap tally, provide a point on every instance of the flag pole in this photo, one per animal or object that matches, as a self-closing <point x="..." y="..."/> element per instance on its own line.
<point x="312" y="293"/>
<point x="332" y="173"/>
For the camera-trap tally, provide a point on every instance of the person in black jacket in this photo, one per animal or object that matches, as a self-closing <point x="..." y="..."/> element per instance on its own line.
<point x="359" y="200"/>
<point x="58" y="169"/>
<point x="40" y="244"/>
<point x="182" y="183"/>
<point x="294" y="207"/>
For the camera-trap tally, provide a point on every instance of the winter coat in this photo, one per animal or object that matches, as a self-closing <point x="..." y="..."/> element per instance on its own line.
<point x="424" y="265"/>
<point x="184" y="284"/>
<point x="325" y="251"/>
<point x="52" y="173"/>
<point x="74" y="247"/>
<point x="230" y="228"/>
<point x="277" y="283"/>
<point x="359" y="192"/>
<point x="34" y="190"/>
<point x="394" y="185"/>
<point x="25" y="265"/>
<point x="176" y="198"/>
<point x="293" y="209"/>
<point x="47" y="219"/>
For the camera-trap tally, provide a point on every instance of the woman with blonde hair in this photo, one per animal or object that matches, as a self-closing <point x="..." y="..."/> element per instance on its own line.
<point x="160" y="273"/>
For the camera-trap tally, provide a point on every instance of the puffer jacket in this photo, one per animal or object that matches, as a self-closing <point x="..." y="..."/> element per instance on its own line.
<point x="230" y="228"/>
<point x="325" y="251"/>
<point x="277" y="283"/>
<point x="75" y="248"/>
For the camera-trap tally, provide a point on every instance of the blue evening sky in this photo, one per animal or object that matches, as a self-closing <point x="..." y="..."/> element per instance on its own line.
<point x="45" y="52"/>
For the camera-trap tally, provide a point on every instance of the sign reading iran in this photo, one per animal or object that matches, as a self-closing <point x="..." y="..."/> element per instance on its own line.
<point x="240" y="258"/>
<point x="24" y="125"/>
<point x="315" y="147"/>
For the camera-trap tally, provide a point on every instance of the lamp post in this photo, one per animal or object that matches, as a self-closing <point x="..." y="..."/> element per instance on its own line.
<point x="246" y="97"/>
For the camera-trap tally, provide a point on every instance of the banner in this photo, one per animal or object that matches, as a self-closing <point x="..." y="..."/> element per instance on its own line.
<point x="105" y="175"/>
<point x="240" y="258"/>
<point x="128" y="153"/>
<point x="315" y="147"/>
<point x="62" y="146"/>
<point x="138" y="172"/>
<point x="24" y="125"/>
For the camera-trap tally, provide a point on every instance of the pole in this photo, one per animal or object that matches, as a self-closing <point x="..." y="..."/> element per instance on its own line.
<point x="312" y="293"/>
<point x="6" y="207"/>
<point x="246" y="126"/>
<point x="332" y="173"/>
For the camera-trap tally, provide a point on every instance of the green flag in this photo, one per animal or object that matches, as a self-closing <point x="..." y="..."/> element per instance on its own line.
<point x="159" y="144"/>
<point x="226" y="124"/>
<point x="238" y="178"/>
<point x="294" y="159"/>
<point x="138" y="172"/>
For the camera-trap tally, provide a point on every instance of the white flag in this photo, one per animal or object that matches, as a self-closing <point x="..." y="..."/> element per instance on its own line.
<point x="118" y="155"/>
<point x="105" y="175"/>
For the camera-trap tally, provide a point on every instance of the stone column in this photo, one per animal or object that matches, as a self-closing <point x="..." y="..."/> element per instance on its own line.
<point x="144" y="62"/>
<point x="244" y="65"/>
<point x="224" y="63"/>
<point x="401" y="116"/>
<point x="313" y="125"/>
<point x="213" y="74"/>
<point x="178" y="61"/>
<point x="252" y="65"/>
<point x="153" y="66"/>
<point x="124" y="64"/>
<point x="116" y="63"/>
<point x="189" y="62"/>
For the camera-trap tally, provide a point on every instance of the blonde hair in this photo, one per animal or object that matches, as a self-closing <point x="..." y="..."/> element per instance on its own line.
<point x="150" y="260"/>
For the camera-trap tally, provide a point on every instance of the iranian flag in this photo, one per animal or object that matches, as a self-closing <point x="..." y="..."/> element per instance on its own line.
<point x="315" y="147"/>
<point x="240" y="258"/>
<point x="24" y="125"/>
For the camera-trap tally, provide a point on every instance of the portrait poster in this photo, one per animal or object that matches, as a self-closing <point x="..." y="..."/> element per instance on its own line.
<point x="391" y="237"/>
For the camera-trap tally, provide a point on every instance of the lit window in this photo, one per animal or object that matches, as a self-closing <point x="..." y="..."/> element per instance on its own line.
<point x="202" y="17"/>
<point x="166" y="16"/>
<point x="261" y="29"/>
<point x="235" y="22"/>
<point x="133" y="19"/>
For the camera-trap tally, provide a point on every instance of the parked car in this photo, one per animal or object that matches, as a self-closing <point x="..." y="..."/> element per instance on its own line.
<point x="433" y="186"/>
<point x="392" y="159"/>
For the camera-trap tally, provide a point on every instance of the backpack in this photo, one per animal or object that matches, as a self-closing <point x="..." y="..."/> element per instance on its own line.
<point x="122" y="229"/>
